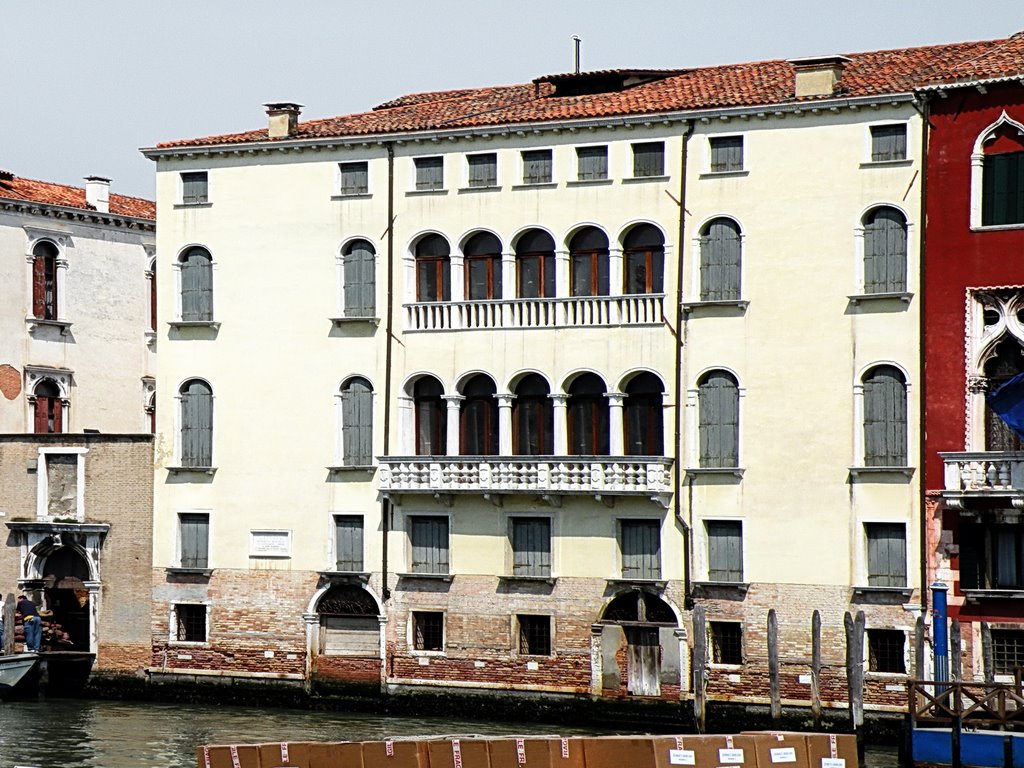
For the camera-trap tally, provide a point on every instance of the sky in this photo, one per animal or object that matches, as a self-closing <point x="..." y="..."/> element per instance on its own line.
<point x="83" y="85"/>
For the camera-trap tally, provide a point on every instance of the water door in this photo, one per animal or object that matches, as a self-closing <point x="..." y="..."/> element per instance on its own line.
<point x="644" y="661"/>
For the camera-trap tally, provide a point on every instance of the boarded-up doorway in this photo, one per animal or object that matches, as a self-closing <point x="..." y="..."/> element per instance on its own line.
<point x="643" y="659"/>
<point x="348" y="647"/>
<point x="646" y="624"/>
<point x="65" y="573"/>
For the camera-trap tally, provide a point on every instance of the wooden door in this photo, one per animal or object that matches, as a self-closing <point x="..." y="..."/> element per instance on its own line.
<point x="643" y="659"/>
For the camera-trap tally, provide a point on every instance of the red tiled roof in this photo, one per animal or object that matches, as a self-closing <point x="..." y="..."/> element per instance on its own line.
<point x="17" y="188"/>
<point x="874" y="73"/>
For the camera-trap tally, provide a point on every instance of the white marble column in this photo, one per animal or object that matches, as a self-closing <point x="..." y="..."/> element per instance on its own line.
<point x="561" y="425"/>
<point x="452" y="438"/>
<point x="562" y="274"/>
<point x="616" y="433"/>
<point x="406" y="426"/>
<point x="508" y="276"/>
<point x="62" y="282"/>
<point x="615" y="271"/>
<point x="458" y="277"/>
<point x="505" y="423"/>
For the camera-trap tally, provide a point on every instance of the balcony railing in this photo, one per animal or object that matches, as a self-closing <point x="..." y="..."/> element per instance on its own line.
<point x="543" y="475"/>
<point x="577" y="311"/>
<point x="996" y="473"/>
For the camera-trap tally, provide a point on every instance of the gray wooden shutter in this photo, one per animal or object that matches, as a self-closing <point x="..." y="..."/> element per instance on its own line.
<point x="354" y="178"/>
<point x="887" y="554"/>
<point x="197" y="286"/>
<point x="348" y="537"/>
<point x="720" y="262"/>
<point x="592" y="163"/>
<point x="718" y="417"/>
<point x="195" y="539"/>
<point x="196" y="425"/>
<point x="885" y="252"/>
<point x="727" y="154"/>
<point x="537" y="167"/>
<point x="531" y="546"/>
<point x="483" y="170"/>
<point x="641" y="549"/>
<point x="885" y="418"/>
<point x="888" y="142"/>
<point x="649" y="159"/>
<point x="357" y="423"/>
<point x="725" y="551"/>
<point x="429" y="173"/>
<point x="194" y="188"/>
<point x="359" y="266"/>
<point x="429" y="544"/>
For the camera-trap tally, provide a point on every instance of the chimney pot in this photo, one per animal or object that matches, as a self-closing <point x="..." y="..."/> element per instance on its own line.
<point x="97" y="193"/>
<point x="283" y="117"/>
<point x="817" y="75"/>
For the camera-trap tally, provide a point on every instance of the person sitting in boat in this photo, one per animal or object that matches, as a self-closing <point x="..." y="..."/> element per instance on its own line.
<point x="32" y="622"/>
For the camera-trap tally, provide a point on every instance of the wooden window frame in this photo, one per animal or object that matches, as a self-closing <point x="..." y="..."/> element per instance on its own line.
<point x="424" y="164"/>
<point x="640" y="150"/>
<point x="725" y="145"/>
<point x="419" y="646"/>
<point x="584" y="155"/>
<point x="201" y="182"/>
<point x="192" y="561"/>
<point x="434" y="520"/>
<point x="531" y="624"/>
<point x="882" y="133"/>
<point x="528" y="156"/>
<point x="486" y="160"/>
<point x="335" y="528"/>
<point x="514" y="523"/>
<point x="648" y="524"/>
<point x="716" y="573"/>
<point x="348" y="170"/>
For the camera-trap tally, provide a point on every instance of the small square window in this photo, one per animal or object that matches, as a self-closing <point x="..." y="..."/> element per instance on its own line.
<point x="885" y="650"/>
<point x="888" y="142"/>
<point x="726" y="154"/>
<point x="194" y="539"/>
<point x="537" y="166"/>
<point x="483" y="170"/>
<point x="348" y="543"/>
<point x="887" y="554"/>
<point x="725" y="550"/>
<point x="592" y="163"/>
<point x="726" y="642"/>
<point x="1007" y="650"/>
<point x="190" y="623"/>
<point x="534" y="635"/>
<point x="428" y="630"/>
<point x="429" y="173"/>
<point x="195" y="188"/>
<point x="649" y="159"/>
<point x="354" y="178"/>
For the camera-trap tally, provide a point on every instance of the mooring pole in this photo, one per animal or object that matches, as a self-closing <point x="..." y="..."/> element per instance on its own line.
<point x="940" y="632"/>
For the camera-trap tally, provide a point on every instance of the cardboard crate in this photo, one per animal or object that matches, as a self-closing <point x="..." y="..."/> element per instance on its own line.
<point x="228" y="756"/>
<point x="672" y="751"/>
<point x="285" y="755"/>
<point x="831" y="750"/>
<point x="724" y="751"/>
<point x="618" y="751"/>
<point x="780" y="749"/>
<point x="458" y="753"/>
<point x="394" y="753"/>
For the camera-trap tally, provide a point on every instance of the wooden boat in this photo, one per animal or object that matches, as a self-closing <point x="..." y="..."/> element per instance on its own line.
<point x="15" y="666"/>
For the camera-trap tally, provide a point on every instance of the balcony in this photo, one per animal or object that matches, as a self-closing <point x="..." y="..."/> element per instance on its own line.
<point x="550" y="477"/>
<point x="983" y="475"/>
<point x="572" y="312"/>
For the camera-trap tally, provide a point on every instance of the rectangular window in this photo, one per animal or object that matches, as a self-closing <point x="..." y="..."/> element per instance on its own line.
<point x="428" y="630"/>
<point x="885" y="650"/>
<point x="534" y="635"/>
<point x="649" y="159"/>
<point x="726" y="642"/>
<point x="194" y="540"/>
<point x="348" y="543"/>
<point x="1002" y="189"/>
<point x="592" y="163"/>
<point x="429" y="539"/>
<point x="195" y="188"/>
<point x="190" y="623"/>
<point x="354" y="178"/>
<point x="992" y="556"/>
<point x="888" y="142"/>
<point x="537" y="166"/>
<point x="887" y="554"/>
<point x="429" y="173"/>
<point x="1007" y="650"/>
<point x="531" y="546"/>
<point x="483" y="170"/>
<point x="726" y="153"/>
<point x="725" y="550"/>
<point x="641" y="549"/>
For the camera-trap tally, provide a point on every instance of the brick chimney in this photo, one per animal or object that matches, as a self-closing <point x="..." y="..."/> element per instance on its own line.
<point x="97" y="193"/>
<point x="282" y="118"/>
<point x="818" y="75"/>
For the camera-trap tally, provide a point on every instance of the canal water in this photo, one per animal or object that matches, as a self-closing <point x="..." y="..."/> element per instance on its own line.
<point x="68" y="733"/>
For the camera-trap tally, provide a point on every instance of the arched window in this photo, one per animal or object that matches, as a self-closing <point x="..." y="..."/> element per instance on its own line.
<point x="718" y="406"/>
<point x="1002" y="177"/>
<point x="196" y="424"/>
<point x="44" y="280"/>
<point x="533" y="418"/>
<point x="151" y="274"/>
<point x="885" y="251"/>
<point x="483" y="267"/>
<point x="359" y="267"/>
<point x="588" y="417"/>
<point x="48" y="408"/>
<point x="196" y="285"/>
<point x="1006" y="363"/>
<point x="151" y="413"/>
<point x="720" y="261"/>
<point x="588" y="262"/>
<point x="642" y="413"/>
<point x="431" y="417"/>
<point x="433" y="269"/>
<point x="644" y="257"/>
<point x="478" y="418"/>
<point x="885" y="417"/>
<point x="535" y="265"/>
<point x="357" y="422"/>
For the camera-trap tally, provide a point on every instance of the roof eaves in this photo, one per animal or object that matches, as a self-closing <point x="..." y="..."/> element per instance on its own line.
<point x="70" y="210"/>
<point x="971" y="82"/>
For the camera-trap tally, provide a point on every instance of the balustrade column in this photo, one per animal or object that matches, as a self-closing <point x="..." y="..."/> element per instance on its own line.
<point x="406" y="426"/>
<point x="616" y="436"/>
<point x="560" y="434"/>
<point x="452" y="446"/>
<point x="505" y="423"/>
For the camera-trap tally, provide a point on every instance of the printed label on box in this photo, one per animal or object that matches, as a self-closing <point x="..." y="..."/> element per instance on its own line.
<point x="833" y="751"/>
<point x="728" y="741"/>
<point x="520" y="751"/>
<point x="284" y="753"/>
<point x="833" y="762"/>
<point x="679" y="742"/>
<point x="565" y="749"/>
<point x="234" y="757"/>
<point x="206" y="756"/>
<point x="389" y="748"/>
<point x="783" y="755"/>
<point x="733" y="756"/>
<point x="681" y="757"/>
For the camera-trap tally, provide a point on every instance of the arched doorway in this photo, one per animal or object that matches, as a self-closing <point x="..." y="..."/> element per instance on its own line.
<point x="348" y="643"/>
<point x="64" y="575"/>
<point x="644" y="625"/>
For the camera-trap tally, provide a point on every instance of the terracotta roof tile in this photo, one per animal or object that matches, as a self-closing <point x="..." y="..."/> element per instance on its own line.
<point x="17" y="188"/>
<point x="767" y="83"/>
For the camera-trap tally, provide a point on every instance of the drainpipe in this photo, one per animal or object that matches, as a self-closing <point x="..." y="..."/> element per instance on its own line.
<point x="925" y="112"/>
<point x="385" y="504"/>
<point x="678" y="368"/>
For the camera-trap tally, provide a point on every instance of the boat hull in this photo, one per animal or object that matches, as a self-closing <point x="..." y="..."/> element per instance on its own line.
<point x="15" y="667"/>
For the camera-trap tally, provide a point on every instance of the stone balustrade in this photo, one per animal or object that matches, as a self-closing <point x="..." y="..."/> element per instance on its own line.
<point x="983" y="473"/>
<point x="576" y="311"/>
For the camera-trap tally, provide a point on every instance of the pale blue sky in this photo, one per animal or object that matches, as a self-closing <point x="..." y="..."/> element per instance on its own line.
<point x="84" y="84"/>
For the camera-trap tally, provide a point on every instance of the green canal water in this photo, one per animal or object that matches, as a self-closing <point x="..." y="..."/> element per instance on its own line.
<point x="69" y="733"/>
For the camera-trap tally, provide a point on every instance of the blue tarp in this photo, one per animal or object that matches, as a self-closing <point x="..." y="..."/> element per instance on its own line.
<point x="1008" y="403"/>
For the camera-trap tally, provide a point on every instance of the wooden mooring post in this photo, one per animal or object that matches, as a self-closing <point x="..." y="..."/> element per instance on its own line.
<point x="955" y="668"/>
<point x="773" y="665"/>
<point x="8" y="617"/>
<point x="816" y="669"/>
<point x="700" y="655"/>
<point x="855" y="676"/>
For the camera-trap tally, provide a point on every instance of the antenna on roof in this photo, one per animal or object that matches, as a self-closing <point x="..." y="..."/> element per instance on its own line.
<point x="576" y="39"/>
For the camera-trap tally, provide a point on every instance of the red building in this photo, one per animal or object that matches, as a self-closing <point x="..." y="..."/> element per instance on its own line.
<point x="973" y="342"/>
